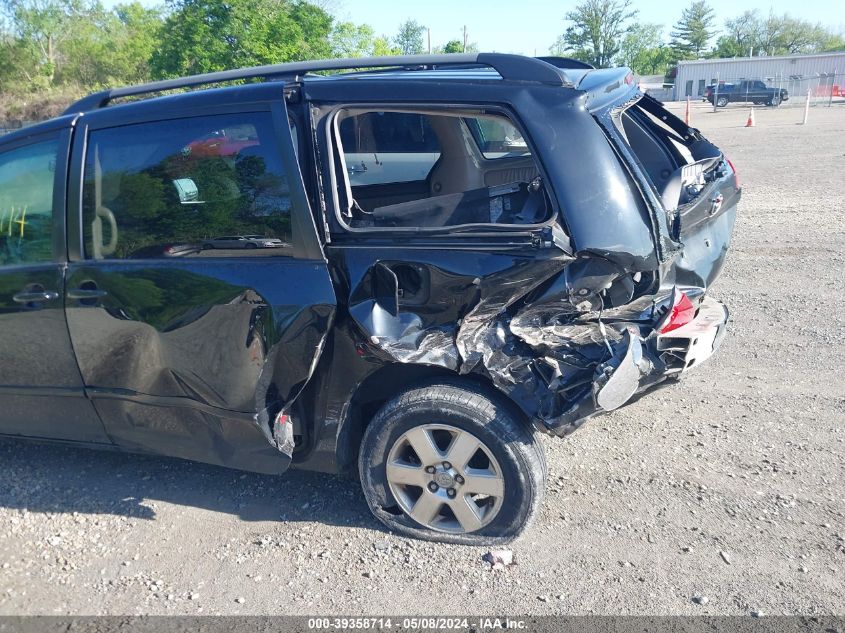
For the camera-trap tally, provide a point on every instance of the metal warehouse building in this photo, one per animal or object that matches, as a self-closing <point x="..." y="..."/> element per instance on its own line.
<point x="796" y="73"/>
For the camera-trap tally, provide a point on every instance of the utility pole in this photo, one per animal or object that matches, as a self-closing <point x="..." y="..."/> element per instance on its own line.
<point x="716" y="92"/>
<point x="465" y="38"/>
<point x="429" y="40"/>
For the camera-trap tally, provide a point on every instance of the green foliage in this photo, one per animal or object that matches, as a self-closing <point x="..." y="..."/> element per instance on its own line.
<point x="208" y="35"/>
<point x="382" y="47"/>
<point x="691" y="35"/>
<point x="774" y="35"/>
<point x="454" y="46"/>
<point x="352" y="40"/>
<point x="643" y="50"/>
<point x="410" y="38"/>
<point x="596" y="31"/>
<point x="50" y="43"/>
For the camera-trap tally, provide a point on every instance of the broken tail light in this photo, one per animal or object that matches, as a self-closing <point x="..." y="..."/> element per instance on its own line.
<point x="681" y="313"/>
<point x="736" y="175"/>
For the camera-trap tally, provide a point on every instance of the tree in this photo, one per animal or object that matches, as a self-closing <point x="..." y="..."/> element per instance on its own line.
<point x="42" y="27"/>
<point x="774" y="35"/>
<point x="209" y="35"/>
<point x="382" y="47"/>
<point x="453" y="46"/>
<point x="693" y="32"/>
<point x="352" y="40"/>
<point x="742" y="33"/>
<point x="77" y="43"/>
<point x="596" y="31"/>
<point x="642" y="49"/>
<point x="409" y="39"/>
<point x="111" y="47"/>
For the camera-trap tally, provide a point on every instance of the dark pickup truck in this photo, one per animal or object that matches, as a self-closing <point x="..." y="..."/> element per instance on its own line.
<point x="755" y="92"/>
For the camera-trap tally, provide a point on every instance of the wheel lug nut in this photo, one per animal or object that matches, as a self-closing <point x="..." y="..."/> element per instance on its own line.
<point x="447" y="465"/>
<point x="451" y="492"/>
<point x="430" y="470"/>
<point x="459" y="479"/>
<point x="433" y="486"/>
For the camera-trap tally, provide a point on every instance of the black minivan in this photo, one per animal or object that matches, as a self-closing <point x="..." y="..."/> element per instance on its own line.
<point x="441" y="257"/>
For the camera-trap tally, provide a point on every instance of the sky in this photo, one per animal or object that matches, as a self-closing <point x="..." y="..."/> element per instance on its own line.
<point x="532" y="26"/>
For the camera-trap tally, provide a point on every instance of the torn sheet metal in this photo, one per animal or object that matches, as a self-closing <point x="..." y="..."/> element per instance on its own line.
<point x="544" y="331"/>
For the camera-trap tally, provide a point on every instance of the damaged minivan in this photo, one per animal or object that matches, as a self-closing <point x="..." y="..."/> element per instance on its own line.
<point x="405" y="268"/>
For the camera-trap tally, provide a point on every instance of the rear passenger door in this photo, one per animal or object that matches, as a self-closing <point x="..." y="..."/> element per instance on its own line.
<point x="188" y="350"/>
<point x="41" y="391"/>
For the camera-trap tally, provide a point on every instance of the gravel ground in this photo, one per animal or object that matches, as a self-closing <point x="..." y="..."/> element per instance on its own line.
<point x="722" y="495"/>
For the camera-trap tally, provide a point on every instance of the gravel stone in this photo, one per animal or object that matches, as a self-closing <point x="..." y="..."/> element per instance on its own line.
<point x="759" y="424"/>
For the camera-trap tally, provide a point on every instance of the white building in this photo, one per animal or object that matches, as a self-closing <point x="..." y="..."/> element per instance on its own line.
<point x="796" y="73"/>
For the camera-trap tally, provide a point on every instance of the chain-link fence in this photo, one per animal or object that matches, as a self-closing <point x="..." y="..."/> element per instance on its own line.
<point x="780" y="90"/>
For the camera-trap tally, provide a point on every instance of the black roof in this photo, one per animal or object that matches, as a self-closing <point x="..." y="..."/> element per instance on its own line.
<point x="519" y="68"/>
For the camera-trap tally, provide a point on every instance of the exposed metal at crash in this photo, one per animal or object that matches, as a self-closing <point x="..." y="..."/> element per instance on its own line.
<point x="574" y="328"/>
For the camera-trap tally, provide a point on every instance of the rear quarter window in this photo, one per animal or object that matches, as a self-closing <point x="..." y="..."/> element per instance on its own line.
<point x="434" y="168"/>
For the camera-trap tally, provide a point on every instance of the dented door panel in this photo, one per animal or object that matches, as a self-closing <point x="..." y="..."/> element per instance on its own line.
<point x="194" y="359"/>
<point x="202" y="355"/>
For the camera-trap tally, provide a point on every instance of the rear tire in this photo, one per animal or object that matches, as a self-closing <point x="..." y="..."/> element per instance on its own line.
<point x="721" y="102"/>
<point x="495" y="486"/>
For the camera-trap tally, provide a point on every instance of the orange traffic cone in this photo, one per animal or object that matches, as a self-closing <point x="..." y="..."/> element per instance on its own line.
<point x="750" y="121"/>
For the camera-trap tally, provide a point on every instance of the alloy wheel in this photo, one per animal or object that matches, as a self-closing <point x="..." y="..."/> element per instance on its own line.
<point x="445" y="478"/>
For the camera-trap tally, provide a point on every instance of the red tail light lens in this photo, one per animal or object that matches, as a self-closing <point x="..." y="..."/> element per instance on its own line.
<point x="736" y="175"/>
<point x="682" y="312"/>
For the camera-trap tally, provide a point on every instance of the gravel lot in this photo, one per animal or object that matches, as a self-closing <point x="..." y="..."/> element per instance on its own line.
<point x="722" y="495"/>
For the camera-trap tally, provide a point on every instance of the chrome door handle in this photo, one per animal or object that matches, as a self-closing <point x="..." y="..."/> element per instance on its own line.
<point x="86" y="293"/>
<point x="35" y="297"/>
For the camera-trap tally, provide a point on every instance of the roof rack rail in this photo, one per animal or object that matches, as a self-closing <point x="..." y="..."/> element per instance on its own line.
<point x="566" y="62"/>
<point x="510" y="67"/>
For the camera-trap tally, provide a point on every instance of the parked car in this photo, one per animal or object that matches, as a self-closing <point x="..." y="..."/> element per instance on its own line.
<point x="243" y="241"/>
<point x="755" y="92"/>
<point x="166" y="250"/>
<point x="484" y="284"/>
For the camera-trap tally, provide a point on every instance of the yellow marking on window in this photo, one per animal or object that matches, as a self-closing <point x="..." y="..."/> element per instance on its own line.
<point x="22" y="221"/>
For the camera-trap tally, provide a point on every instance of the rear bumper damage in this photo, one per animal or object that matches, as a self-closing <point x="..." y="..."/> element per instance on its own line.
<point x="564" y="340"/>
<point x="638" y="364"/>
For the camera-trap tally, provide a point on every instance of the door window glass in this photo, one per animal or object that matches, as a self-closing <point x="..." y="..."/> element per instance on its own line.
<point x="209" y="186"/>
<point x="27" y="176"/>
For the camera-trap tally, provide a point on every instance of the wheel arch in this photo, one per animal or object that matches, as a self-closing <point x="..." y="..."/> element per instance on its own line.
<point x="387" y="382"/>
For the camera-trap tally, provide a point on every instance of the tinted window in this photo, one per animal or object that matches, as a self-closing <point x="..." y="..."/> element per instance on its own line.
<point x="186" y="187"/>
<point x="27" y="175"/>
<point x="388" y="147"/>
